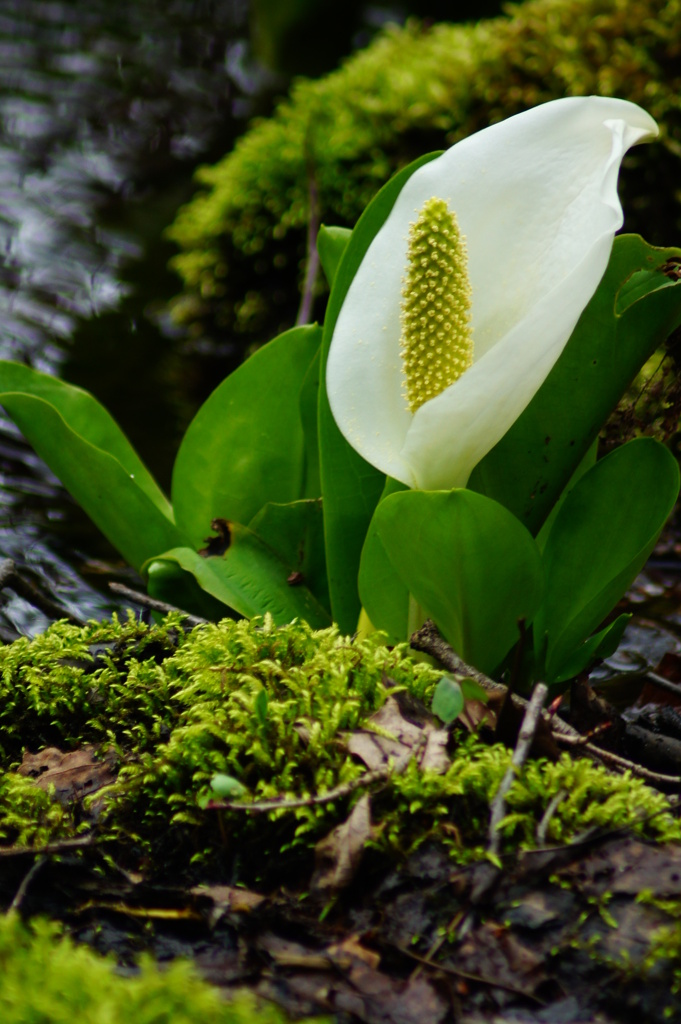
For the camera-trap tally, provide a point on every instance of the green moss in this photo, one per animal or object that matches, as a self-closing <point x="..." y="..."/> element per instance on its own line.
<point x="102" y="683"/>
<point x="46" y="979"/>
<point x="454" y="808"/>
<point x="273" y="709"/>
<point x="413" y="90"/>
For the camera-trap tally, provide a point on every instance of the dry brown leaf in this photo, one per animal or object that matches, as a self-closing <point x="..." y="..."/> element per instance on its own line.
<point x="343" y="953"/>
<point x="287" y="953"/>
<point x="354" y="987"/>
<point x="227" y="899"/>
<point x="73" y="775"/>
<point x="399" y="739"/>
<point x="337" y="855"/>
<point x="474" y="713"/>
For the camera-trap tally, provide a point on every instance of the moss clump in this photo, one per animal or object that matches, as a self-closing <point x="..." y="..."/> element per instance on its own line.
<point x="46" y="979"/>
<point x="272" y="708"/>
<point x="593" y="797"/>
<point x="414" y="90"/>
<point x="101" y="683"/>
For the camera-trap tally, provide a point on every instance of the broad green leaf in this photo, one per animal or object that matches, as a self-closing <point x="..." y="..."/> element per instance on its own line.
<point x="296" y="533"/>
<point x="106" y="490"/>
<point x="470" y="565"/>
<point x="634" y="310"/>
<point x="600" y="645"/>
<point x="351" y="487"/>
<point x="309" y="402"/>
<point x="251" y="579"/>
<point x="600" y="540"/>
<point x="586" y="464"/>
<point x="447" y="700"/>
<point x="382" y="592"/>
<point x="166" y="581"/>
<point x="331" y="244"/>
<point x="245" y="445"/>
<point x="84" y="416"/>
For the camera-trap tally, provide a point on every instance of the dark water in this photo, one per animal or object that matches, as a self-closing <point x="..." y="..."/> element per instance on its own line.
<point x="105" y="110"/>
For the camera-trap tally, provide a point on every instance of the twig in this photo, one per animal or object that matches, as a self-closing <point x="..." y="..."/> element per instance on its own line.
<point x="478" y="978"/>
<point x="621" y="763"/>
<point x="59" y="846"/>
<point x="9" y="577"/>
<point x="26" y="881"/>
<point x="520" y="755"/>
<point x="429" y="640"/>
<point x="664" y="684"/>
<point x="312" y="269"/>
<point x="338" y="793"/>
<point x="151" y="602"/>
<point x="552" y="807"/>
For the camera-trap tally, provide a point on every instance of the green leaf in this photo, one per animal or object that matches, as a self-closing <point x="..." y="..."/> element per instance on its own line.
<point x="351" y="487"/>
<point x="331" y="244"/>
<point x="473" y="691"/>
<point x="166" y="581"/>
<point x="84" y="416"/>
<point x="447" y="700"/>
<point x="245" y="446"/>
<point x="251" y="579"/>
<point x="599" y="542"/>
<point x="296" y="533"/>
<point x="222" y="787"/>
<point x="112" y="496"/>
<point x="226" y="787"/>
<point x="309" y="402"/>
<point x="382" y="592"/>
<point x="634" y="310"/>
<point x="470" y="565"/>
<point x="600" y="645"/>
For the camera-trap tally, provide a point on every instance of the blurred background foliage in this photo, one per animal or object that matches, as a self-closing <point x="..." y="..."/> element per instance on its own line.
<point x="306" y="37"/>
<point x="414" y="88"/>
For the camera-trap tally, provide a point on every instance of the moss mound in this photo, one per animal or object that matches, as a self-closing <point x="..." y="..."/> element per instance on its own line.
<point x="412" y="91"/>
<point x="271" y="709"/>
<point x="46" y="979"/>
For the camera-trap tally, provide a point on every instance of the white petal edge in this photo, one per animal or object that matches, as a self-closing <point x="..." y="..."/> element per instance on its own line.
<point x="535" y="195"/>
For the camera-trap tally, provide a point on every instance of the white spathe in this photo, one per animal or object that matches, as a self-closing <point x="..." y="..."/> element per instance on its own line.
<point x="536" y="198"/>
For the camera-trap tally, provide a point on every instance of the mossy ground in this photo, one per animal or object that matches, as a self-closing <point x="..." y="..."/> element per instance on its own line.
<point x="271" y="708"/>
<point x="178" y="707"/>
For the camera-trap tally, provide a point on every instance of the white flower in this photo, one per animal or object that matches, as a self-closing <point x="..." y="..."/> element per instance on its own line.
<point x="535" y="198"/>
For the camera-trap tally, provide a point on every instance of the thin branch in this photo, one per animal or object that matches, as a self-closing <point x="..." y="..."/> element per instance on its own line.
<point x="621" y="763"/>
<point x="26" y="881"/>
<point x="378" y="775"/>
<point x="552" y="807"/>
<point x="526" y="736"/>
<point x="59" y="846"/>
<point x="480" y="979"/>
<point x="156" y="606"/>
<point x="312" y="269"/>
<point x="664" y="684"/>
